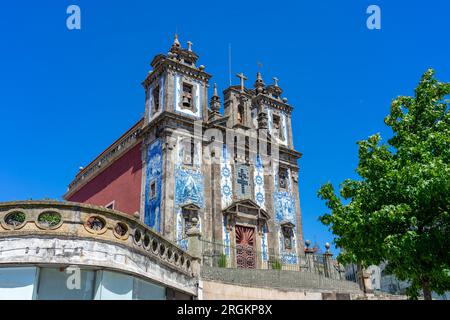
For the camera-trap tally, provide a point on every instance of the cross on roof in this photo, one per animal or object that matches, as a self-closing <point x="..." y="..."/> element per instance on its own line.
<point x="275" y="79"/>
<point x="243" y="78"/>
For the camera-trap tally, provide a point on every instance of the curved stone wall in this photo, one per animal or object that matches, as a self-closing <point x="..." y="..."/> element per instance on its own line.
<point x="67" y="233"/>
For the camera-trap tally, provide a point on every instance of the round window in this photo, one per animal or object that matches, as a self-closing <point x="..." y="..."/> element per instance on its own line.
<point x="15" y="219"/>
<point x="121" y="229"/>
<point x="49" y="219"/>
<point x="95" y="223"/>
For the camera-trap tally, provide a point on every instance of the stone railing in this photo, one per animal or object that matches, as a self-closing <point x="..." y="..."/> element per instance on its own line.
<point x="213" y="255"/>
<point x="77" y="222"/>
<point x="278" y="279"/>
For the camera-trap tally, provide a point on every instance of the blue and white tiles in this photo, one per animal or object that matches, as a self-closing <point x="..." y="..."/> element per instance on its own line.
<point x="284" y="206"/>
<point x="226" y="183"/>
<point x="264" y="245"/>
<point x="152" y="215"/>
<point x="226" y="238"/>
<point x="258" y="181"/>
<point x="189" y="188"/>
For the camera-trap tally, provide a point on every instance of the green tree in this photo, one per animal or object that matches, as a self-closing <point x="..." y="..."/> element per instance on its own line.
<point x="398" y="211"/>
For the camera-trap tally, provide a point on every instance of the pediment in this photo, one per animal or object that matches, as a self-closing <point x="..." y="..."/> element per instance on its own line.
<point x="247" y="207"/>
<point x="190" y="206"/>
<point x="287" y="224"/>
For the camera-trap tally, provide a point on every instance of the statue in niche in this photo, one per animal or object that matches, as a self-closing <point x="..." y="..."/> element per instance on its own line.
<point x="287" y="229"/>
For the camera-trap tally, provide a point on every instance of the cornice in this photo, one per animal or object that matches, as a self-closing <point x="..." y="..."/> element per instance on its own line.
<point x="274" y="103"/>
<point x="176" y="66"/>
<point x="107" y="157"/>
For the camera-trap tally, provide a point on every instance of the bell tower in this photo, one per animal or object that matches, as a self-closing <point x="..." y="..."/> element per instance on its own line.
<point x="237" y="105"/>
<point x="176" y="97"/>
<point x="177" y="84"/>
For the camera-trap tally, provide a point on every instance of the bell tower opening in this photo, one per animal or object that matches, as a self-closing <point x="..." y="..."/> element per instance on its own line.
<point x="283" y="178"/>
<point x="155" y="95"/>
<point x="187" y="101"/>
<point x="240" y="114"/>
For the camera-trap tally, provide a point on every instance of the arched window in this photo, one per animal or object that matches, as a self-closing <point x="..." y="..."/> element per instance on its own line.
<point x="188" y="96"/>
<point x="155" y="96"/>
<point x="240" y="114"/>
<point x="283" y="178"/>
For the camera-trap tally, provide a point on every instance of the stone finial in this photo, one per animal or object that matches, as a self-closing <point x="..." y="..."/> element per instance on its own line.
<point x="176" y="42"/>
<point x="189" y="43"/>
<point x="215" y="101"/>
<point x="327" y="247"/>
<point x="259" y="83"/>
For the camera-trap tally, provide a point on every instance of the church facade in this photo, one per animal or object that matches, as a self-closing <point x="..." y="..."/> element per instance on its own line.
<point x="228" y="167"/>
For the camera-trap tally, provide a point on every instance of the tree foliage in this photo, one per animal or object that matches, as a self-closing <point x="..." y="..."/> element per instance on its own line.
<point x="399" y="211"/>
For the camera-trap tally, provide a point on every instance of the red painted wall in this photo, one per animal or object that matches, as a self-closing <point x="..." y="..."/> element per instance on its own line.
<point x="120" y="182"/>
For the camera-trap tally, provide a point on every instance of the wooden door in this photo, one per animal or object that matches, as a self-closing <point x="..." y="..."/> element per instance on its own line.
<point x="245" y="247"/>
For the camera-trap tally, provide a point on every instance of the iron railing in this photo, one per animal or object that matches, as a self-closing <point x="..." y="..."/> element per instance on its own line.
<point x="223" y="256"/>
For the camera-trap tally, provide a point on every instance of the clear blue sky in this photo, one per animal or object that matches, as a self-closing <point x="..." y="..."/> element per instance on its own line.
<point x="66" y="95"/>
